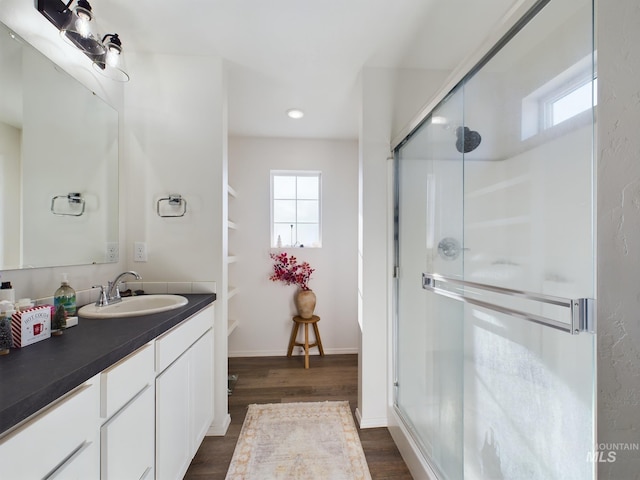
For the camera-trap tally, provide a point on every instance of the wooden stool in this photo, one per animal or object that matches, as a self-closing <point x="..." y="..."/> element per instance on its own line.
<point x="297" y="321"/>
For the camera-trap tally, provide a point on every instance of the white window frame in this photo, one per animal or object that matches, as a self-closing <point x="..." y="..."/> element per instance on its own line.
<point x="295" y="173"/>
<point x="547" y="103"/>
<point x="537" y="107"/>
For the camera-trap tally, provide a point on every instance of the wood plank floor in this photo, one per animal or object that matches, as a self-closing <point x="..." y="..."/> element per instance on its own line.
<point x="282" y="379"/>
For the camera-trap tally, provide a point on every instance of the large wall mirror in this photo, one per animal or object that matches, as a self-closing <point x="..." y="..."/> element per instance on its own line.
<point x="58" y="164"/>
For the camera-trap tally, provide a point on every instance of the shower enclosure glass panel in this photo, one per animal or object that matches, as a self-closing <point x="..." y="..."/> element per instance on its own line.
<point x="496" y="189"/>
<point x="430" y="329"/>
<point x="528" y="225"/>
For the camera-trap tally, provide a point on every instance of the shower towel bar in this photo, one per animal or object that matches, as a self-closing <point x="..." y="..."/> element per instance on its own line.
<point x="582" y="312"/>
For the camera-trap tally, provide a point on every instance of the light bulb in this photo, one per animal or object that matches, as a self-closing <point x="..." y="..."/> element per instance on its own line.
<point x="295" y="113"/>
<point x="113" y="56"/>
<point x="82" y="23"/>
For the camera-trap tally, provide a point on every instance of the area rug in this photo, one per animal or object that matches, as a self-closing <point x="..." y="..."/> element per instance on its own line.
<point x="308" y="440"/>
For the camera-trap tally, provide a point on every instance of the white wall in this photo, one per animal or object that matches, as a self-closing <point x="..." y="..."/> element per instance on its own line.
<point x="175" y="144"/>
<point x="412" y="88"/>
<point x="263" y="309"/>
<point x="374" y="246"/>
<point x="618" y="259"/>
<point x="390" y="99"/>
<point x="176" y="141"/>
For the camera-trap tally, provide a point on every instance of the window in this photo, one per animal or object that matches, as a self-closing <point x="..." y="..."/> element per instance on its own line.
<point x="295" y="209"/>
<point x="572" y="102"/>
<point x="565" y="96"/>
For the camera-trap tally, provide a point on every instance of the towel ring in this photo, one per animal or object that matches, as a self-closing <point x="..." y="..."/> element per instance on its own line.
<point x="174" y="200"/>
<point x="74" y="199"/>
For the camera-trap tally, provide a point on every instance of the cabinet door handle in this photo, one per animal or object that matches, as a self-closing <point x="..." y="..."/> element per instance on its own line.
<point x="146" y="473"/>
<point x="68" y="459"/>
<point x="124" y="407"/>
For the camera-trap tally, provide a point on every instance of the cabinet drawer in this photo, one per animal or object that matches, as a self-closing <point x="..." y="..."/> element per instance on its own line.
<point x="177" y="340"/>
<point x="45" y="443"/>
<point x="125" y="379"/>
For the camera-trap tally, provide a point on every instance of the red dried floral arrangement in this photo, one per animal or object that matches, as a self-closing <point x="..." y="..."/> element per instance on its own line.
<point x="287" y="269"/>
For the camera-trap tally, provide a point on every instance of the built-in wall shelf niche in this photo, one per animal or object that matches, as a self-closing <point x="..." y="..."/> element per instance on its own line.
<point x="232" y="259"/>
<point x="232" y="225"/>
<point x="231" y="292"/>
<point x="232" y="192"/>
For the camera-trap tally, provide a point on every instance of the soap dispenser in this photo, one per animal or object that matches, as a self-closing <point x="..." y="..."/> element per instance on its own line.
<point x="7" y="293"/>
<point x="65" y="297"/>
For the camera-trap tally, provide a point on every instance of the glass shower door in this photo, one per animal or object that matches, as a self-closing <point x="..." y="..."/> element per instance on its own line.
<point x="528" y="227"/>
<point x="430" y="329"/>
<point x="495" y="344"/>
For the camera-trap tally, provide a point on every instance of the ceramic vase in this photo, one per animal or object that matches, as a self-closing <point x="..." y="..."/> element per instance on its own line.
<point x="305" y="303"/>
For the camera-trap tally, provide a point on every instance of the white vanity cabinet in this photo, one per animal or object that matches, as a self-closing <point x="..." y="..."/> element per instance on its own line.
<point x="143" y="417"/>
<point x="128" y="414"/>
<point x="184" y="393"/>
<point x="60" y="442"/>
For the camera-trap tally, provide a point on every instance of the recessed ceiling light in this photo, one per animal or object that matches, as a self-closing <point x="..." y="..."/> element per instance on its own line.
<point x="295" y="113"/>
<point x="439" y="120"/>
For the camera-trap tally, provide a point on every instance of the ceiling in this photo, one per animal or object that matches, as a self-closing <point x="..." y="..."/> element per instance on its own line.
<point x="305" y="54"/>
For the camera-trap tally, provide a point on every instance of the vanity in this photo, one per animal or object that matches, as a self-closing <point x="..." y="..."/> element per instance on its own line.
<point x="116" y="398"/>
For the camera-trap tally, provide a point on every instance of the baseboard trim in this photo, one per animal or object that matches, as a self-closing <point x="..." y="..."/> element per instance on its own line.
<point x="370" y="422"/>
<point x="296" y="352"/>
<point x="219" y="429"/>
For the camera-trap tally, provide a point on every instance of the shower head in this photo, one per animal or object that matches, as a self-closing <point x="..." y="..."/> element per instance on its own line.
<point x="467" y="140"/>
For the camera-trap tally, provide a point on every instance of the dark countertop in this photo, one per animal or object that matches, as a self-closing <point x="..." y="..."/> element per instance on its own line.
<point x="36" y="375"/>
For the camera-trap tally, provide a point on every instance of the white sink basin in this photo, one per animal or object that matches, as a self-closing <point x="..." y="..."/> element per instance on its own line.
<point x="134" y="306"/>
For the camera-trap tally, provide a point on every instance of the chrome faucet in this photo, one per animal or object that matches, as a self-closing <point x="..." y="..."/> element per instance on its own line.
<point x="111" y="293"/>
<point x="113" y="290"/>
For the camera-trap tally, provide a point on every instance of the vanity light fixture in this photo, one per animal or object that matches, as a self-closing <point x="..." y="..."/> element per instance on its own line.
<point x="111" y="64"/>
<point x="78" y="27"/>
<point x="295" y="113"/>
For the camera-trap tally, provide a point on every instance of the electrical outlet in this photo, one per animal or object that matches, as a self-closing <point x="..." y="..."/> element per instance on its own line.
<point x="112" y="253"/>
<point x="139" y="252"/>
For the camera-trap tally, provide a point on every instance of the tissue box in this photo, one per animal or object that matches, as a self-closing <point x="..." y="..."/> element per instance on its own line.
<point x="31" y="325"/>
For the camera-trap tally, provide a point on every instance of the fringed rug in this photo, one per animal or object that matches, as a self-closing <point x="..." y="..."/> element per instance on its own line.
<point x="309" y="440"/>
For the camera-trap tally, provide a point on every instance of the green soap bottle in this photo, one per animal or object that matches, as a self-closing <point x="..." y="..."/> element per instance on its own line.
<point x="65" y="296"/>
